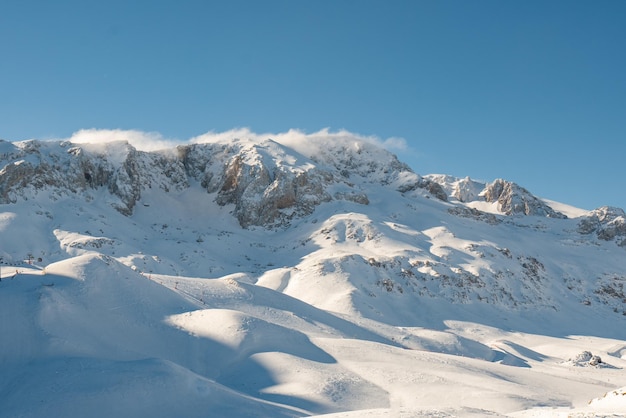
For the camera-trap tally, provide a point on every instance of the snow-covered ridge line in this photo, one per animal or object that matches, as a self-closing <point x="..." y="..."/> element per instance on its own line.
<point x="504" y="197"/>
<point x="356" y="287"/>
<point x="267" y="182"/>
<point x="278" y="172"/>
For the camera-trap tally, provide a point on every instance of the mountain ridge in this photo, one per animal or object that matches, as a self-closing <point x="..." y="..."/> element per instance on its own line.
<point x="278" y="260"/>
<point x="265" y="184"/>
<point x="218" y="167"/>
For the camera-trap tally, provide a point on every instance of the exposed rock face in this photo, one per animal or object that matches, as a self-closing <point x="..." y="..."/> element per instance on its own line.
<point x="607" y="222"/>
<point x="513" y="199"/>
<point x="267" y="183"/>
<point x="467" y="190"/>
<point x="266" y="195"/>
<point x="430" y="186"/>
<point x="62" y="168"/>
<point x="464" y="190"/>
<point x="264" y="190"/>
<point x="434" y="189"/>
<point x="585" y="359"/>
<point x="472" y="213"/>
<point x="367" y="161"/>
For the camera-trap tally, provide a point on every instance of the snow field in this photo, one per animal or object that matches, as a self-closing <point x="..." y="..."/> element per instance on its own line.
<point x="396" y="308"/>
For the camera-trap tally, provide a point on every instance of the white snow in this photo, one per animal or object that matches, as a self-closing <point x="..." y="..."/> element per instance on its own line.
<point x="568" y="210"/>
<point x="353" y="311"/>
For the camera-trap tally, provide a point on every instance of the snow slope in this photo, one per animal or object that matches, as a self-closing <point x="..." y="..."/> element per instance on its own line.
<point x="374" y="292"/>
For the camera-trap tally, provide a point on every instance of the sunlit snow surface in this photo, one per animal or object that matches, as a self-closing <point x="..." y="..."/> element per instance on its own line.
<point x="354" y="311"/>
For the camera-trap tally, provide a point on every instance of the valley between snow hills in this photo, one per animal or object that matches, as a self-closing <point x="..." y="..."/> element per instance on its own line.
<point x="252" y="278"/>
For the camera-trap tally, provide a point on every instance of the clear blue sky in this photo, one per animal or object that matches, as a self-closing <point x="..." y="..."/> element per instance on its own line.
<point x="529" y="91"/>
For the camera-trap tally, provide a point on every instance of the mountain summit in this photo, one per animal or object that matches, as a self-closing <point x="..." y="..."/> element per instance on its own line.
<point x="226" y="267"/>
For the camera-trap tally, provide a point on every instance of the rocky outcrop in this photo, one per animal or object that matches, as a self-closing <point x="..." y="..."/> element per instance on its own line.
<point x="264" y="190"/>
<point x="269" y="196"/>
<point x="585" y="359"/>
<point x="267" y="184"/>
<point x="63" y="168"/>
<point x="368" y="162"/>
<point x="464" y="190"/>
<point x="433" y="188"/>
<point x="608" y="223"/>
<point x="476" y="214"/>
<point x="513" y="200"/>
<point x="467" y="190"/>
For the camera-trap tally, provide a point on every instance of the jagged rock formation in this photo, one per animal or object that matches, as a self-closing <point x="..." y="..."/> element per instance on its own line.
<point x="464" y="190"/>
<point x="511" y="198"/>
<point x="62" y="168"/>
<point x="514" y="199"/>
<point x="262" y="191"/>
<point x="432" y="187"/>
<point x="472" y="213"/>
<point x="585" y="359"/>
<point x="267" y="183"/>
<point x="608" y="223"/>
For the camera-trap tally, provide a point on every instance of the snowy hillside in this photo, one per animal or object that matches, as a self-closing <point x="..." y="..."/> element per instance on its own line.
<point x="254" y="277"/>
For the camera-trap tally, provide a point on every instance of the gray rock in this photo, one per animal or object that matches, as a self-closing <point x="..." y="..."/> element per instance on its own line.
<point x="515" y="200"/>
<point x="608" y="223"/>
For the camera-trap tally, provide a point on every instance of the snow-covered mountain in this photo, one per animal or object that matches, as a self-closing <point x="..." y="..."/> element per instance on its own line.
<point x="255" y="278"/>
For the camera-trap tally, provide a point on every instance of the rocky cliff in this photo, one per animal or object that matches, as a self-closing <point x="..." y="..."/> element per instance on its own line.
<point x="267" y="183"/>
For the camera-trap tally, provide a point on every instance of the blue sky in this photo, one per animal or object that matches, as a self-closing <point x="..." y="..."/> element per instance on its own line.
<point x="530" y="91"/>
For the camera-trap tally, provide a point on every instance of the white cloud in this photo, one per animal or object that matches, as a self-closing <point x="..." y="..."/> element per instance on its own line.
<point x="304" y="143"/>
<point x="216" y="137"/>
<point x="395" y="144"/>
<point x="145" y="141"/>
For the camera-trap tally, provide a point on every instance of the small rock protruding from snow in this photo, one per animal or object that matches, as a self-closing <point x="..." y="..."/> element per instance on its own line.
<point x="585" y="359"/>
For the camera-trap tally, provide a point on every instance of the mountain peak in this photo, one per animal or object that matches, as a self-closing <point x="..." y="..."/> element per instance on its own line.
<point x="513" y="199"/>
